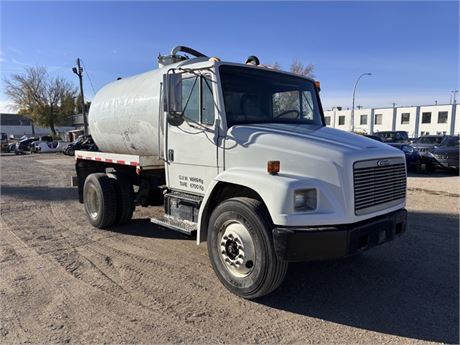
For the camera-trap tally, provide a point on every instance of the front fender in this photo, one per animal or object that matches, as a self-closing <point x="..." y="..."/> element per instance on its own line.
<point x="276" y="191"/>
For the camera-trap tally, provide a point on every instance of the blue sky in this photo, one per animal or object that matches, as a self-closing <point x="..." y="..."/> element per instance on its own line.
<point x="411" y="48"/>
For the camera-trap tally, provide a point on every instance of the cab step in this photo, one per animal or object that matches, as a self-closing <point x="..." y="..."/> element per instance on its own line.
<point x="183" y="226"/>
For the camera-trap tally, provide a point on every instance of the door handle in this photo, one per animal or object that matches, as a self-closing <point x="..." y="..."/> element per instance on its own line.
<point x="171" y="155"/>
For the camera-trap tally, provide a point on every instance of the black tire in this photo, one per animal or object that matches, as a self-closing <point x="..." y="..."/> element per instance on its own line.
<point x="125" y="197"/>
<point x="268" y="271"/>
<point x="69" y="151"/>
<point x="100" y="200"/>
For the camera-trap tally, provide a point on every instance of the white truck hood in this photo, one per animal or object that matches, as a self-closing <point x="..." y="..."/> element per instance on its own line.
<point x="313" y="156"/>
<point x="298" y="147"/>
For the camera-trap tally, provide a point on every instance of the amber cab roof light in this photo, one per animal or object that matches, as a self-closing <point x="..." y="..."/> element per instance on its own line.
<point x="318" y="85"/>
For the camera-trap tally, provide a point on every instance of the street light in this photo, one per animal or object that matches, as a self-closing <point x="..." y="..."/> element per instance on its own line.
<point x="453" y="98"/>
<point x="353" y="106"/>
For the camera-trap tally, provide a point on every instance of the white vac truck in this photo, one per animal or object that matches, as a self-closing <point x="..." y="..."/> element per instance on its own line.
<point x="240" y="155"/>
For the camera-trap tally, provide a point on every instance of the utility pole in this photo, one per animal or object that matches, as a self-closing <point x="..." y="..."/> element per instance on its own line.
<point x="353" y="106"/>
<point x="78" y="70"/>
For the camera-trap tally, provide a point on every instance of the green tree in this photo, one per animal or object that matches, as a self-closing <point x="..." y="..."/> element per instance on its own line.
<point x="47" y="100"/>
<point x="78" y="105"/>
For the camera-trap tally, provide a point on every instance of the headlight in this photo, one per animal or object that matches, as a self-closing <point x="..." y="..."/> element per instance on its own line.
<point x="305" y="200"/>
<point x="408" y="149"/>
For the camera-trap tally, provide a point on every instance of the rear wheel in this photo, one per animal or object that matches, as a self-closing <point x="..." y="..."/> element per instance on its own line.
<point x="100" y="200"/>
<point x="125" y="197"/>
<point x="240" y="246"/>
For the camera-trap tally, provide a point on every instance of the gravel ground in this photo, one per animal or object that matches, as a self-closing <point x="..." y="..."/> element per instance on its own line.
<point x="63" y="281"/>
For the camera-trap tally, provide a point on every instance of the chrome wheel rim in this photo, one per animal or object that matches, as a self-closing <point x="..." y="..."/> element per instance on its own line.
<point x="236" y="249"/>
<point x="92" y="201"/>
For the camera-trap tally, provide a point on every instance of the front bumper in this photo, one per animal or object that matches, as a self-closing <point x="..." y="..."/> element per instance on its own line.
<point x="329" y="242"/>
<point x="446" y="163"/>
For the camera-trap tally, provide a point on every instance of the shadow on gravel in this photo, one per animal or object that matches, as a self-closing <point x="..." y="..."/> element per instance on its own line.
<point x="408" y="287"/>
<point x="40" y="192"/>
<point x="436" y="174"/>
<point x="145" y="228"/>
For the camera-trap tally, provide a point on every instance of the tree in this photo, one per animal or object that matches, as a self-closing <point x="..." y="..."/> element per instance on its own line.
<point x="47" y="100"/>
<point x="286" y="100"/>
<point x="296" y="67"/>
<point x="78" y="106"/>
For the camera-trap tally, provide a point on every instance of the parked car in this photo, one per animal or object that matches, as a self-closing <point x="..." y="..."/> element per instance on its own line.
<point x="49" y="146"/>
<point x="11" y="147"/>
<point x="446" y="155"/>
<point x="427" y="143"/>
<point x="393" y="136"/>
<point x="413" y="159"/>
<point x="24" y="145"/>
<point x="83" y="142"/>
<point x="375" y="137"/>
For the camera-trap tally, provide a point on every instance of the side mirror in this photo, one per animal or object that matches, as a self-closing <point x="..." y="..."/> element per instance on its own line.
<point x="173" y="98"/>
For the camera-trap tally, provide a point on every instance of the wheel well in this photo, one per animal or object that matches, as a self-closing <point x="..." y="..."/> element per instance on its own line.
<point x="223" y="191"/>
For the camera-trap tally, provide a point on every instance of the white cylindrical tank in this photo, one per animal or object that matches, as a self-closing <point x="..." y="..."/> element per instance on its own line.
<point x="124" y="116"/>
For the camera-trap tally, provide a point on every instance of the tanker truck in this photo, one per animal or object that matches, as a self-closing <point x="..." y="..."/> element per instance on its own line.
<point x="239" y="154"/>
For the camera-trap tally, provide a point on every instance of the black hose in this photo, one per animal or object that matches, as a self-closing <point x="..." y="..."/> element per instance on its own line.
<point x="187" y="50"/>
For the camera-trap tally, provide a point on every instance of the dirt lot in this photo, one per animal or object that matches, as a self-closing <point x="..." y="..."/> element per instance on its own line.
<point x="63" y="281"/>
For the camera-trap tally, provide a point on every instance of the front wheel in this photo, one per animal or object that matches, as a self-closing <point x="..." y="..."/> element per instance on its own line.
<point x="240" y="246"/>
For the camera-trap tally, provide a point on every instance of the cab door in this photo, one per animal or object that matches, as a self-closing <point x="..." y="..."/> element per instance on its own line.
<point x="192" y="146"/>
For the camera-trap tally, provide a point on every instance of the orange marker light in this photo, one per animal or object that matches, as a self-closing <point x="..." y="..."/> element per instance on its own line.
<point x="318" y="85"/>
<point x="273" y="167"/>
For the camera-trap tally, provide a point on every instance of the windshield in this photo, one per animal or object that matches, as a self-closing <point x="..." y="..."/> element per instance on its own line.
<point x="429" y="140"/>
<point x="389" y="136"/>
<point x="450" y="141"/>
<point x="254" y="95"/>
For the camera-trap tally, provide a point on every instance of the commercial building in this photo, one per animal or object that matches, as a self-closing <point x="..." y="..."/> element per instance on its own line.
<point x="18" y="125"/>
<point x="416" y="120"/>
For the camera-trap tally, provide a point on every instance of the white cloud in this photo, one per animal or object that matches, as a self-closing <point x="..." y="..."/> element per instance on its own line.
<point x="6" y="107"/>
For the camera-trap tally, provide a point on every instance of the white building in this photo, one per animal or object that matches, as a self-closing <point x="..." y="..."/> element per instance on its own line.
<point x="416" y="120"/>
<point x="18" y="125"/>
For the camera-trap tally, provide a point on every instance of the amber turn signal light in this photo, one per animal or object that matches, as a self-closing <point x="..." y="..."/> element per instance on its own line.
<point x="273" y="167"/>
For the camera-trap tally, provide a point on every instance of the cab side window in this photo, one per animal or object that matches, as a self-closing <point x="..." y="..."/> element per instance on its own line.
<point x="197" y="99"/>
<point x="191" y="98"/>
<point x="207" y="104"/>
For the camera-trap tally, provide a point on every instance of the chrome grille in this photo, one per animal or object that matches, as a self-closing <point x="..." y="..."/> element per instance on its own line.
<point x="378" y="184"/>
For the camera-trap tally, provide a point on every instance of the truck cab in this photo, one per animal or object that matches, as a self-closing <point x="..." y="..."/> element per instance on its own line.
<point x="244" y="159"/>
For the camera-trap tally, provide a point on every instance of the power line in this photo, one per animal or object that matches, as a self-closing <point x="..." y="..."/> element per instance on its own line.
<point x="87" y="74"/>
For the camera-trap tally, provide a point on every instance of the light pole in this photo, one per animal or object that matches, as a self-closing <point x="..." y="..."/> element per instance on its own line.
<point x="353" y="105"/>
<point x="453" y="97"/>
